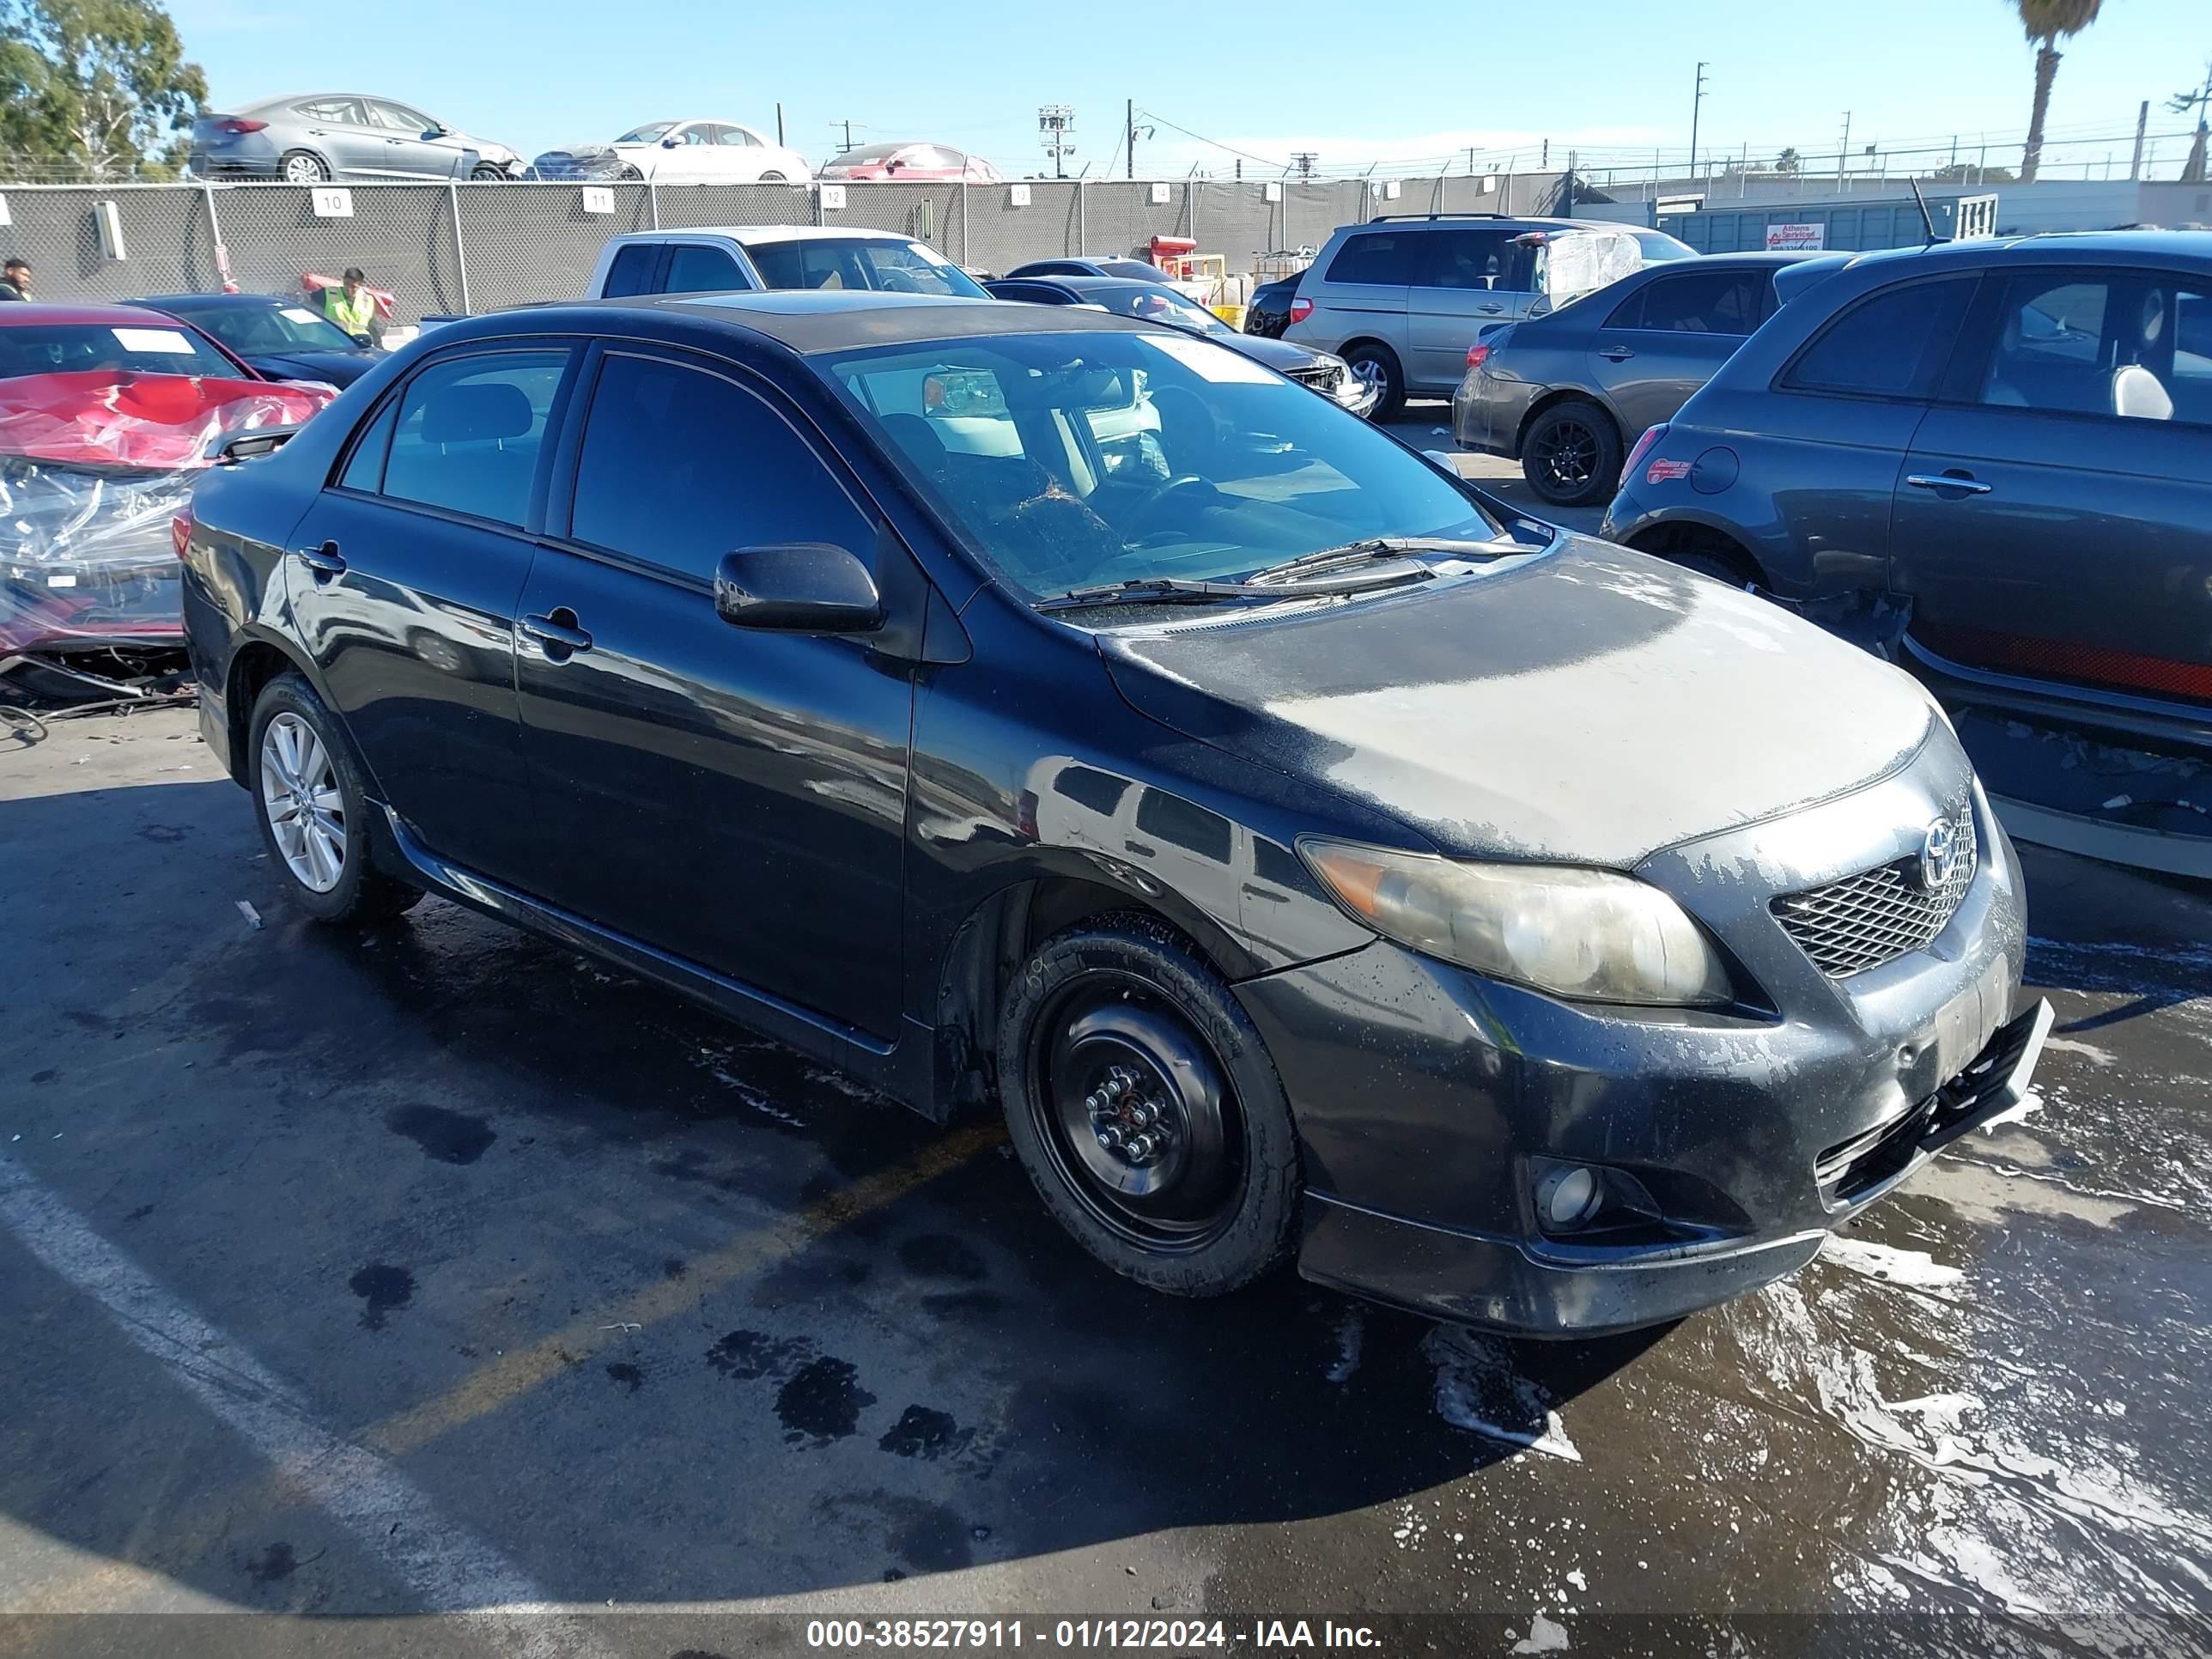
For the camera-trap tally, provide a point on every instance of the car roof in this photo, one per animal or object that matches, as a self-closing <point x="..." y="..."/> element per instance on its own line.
<point x="1753" y="257"/>
<point x="1084" y="283"/>
<point x="211" y="302"/>
<point x="2056" y="246"/>
<point x="94" y="316"/>
<point x="748" y="234"/>
<point x="809" y="320"/>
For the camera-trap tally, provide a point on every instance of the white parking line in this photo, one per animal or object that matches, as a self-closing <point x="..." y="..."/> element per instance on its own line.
<point x="449" y="1568"/>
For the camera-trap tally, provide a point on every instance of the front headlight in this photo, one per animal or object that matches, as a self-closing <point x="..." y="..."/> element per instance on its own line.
<point x="1582" y="934"/>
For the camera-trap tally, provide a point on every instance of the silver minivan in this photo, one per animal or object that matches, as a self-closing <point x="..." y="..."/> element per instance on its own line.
<point x="1401" y="299"/>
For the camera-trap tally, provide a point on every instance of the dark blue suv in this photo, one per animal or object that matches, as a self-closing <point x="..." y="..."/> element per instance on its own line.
<point x="2009" y="442"/>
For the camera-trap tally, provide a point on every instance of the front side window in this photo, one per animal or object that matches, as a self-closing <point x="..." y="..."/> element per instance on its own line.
<point x="696" y="269"/>
<point x="1890" y="344"/>
<point x="392" y="118"/>
<point x="1709" y="302"/>
<point x="680" y="465"/>
<point x="469" y="431"/>
<point x="2132" y="344"/>
<point x="1378" y="257"/>
<point x="1069" y="460"/>
<point x="646" y="135"/>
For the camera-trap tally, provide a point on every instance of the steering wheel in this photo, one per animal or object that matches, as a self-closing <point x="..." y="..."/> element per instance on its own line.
<point x="895" y="281"/>
<point x="1182" y="483"/>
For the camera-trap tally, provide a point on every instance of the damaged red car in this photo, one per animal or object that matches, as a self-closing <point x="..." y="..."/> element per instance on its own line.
<point x="106" y="415"/>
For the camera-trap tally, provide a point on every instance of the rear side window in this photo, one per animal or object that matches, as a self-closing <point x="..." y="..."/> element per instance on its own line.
<point x="1467" y="259"/>
<point x="1181" y="824"/>
<point x="1100" y="791"/>
<point x="1378" y="257"/>
<point x="696" y="269"/>
<point x="1708" y="303"/>
<point x="679" y="466"/>
<point x="1890" y="344"/>
<point x="632" y="271"/>
<point x="2134" y="343"/>
<point x="470" y="430"/>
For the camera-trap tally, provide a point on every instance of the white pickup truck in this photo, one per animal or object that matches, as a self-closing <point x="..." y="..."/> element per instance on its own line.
<point x="724" y="258"/>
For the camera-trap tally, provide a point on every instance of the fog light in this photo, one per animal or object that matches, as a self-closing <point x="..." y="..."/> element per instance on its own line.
<point x="1567" y="1197"/>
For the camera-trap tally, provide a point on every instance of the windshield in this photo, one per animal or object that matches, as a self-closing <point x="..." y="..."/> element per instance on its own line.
<point x="652" y="135"/>
<point x="1657" y="248"/>
<point x="867" y="155"/>
<point x="862" y="263"/>
<point x="153" y="348"/>
<point x="1071" y="460"/>
<point x="1151" y="303"/>
<point x="266" y="331"/>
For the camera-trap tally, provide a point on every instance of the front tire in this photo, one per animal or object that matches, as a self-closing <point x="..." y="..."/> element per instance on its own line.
<point x="774" y="178"/>
<point x="630" y="175"/>
<point x="485" y="173"/>
<point x="300" y="167"/>
<point x="1141" y="1101"/>
<point x="1572" y="454"/>
<point x="314" y="811"/>
<point x="1375" y="364"/>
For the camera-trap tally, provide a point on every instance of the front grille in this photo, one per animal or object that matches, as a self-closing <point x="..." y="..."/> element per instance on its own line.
<point x="1321" y="377"/>
<point x="1879" y="915"/>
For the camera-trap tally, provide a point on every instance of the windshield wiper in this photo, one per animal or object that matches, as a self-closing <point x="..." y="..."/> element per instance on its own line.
<point x="1372" y="549"/>
<point x="1148" y="590"/>
<point x="1180" y="590"/>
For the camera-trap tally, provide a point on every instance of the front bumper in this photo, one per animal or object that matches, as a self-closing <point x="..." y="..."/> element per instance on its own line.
<point x="1430" y="1099"/>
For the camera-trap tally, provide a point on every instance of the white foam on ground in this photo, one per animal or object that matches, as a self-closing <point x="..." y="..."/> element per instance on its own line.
<point x="1915" y="1268"/>
<point x="1543" y="1636"/>
<point x="1478" y="1388"/>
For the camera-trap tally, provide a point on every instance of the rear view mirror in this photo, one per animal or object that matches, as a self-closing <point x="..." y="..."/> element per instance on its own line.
<point x="364" y="339"/>
<point x="798" y="587"/>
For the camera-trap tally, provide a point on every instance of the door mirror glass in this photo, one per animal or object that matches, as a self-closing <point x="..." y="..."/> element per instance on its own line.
<point x="800" y="587"/>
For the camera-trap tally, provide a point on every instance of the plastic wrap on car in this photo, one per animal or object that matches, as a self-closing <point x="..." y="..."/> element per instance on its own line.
<point x="92" y="467"/>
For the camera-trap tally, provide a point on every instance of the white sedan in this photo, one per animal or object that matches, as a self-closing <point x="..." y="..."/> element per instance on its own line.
<point x="693" y="152"/>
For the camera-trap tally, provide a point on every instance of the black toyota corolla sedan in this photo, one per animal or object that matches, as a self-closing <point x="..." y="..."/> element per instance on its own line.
<point x="1024" y="704"/>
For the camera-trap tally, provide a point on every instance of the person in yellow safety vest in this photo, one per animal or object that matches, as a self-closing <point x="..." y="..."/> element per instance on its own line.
<point x="350" y="304"/>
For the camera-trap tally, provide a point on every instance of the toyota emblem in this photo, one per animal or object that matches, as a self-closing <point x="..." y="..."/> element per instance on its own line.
<point x="1940" y="851"/>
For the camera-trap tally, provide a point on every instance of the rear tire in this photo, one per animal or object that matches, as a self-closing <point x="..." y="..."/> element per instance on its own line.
<point x="774" y="178"/>
<point x="300" y="166"/>
<point x="1571" y="453"/>
<point x="485" y="173"/>
<point x="312" y="810"/>
<point x="1375" y="364"/>
<point x="1117" y="1030"/>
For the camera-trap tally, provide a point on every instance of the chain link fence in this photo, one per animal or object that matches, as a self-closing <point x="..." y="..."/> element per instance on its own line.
<point x="456" y="247"/>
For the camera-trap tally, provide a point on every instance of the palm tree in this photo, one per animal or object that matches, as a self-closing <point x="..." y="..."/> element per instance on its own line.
<point x="2047" y="22"/>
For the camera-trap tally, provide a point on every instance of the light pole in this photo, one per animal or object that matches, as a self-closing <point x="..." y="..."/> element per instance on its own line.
<point x="1697" y="106"/>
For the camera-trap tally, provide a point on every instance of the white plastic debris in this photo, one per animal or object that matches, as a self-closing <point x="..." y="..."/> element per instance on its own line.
<point x="252" y="916"/>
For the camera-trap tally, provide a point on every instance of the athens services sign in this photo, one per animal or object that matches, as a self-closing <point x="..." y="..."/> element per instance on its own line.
<point x="1796" y="238"/>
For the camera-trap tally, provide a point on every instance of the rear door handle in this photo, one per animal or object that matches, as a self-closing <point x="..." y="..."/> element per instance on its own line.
<point x="1964" y="483"/>
<point x="1616" y="354"/>
<point x="1491" y="310"/>
<point x="558" y="634"/>
<point x="324" y="560"/>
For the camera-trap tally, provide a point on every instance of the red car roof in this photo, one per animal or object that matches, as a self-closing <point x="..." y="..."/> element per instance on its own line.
<point x="37" y="310"/>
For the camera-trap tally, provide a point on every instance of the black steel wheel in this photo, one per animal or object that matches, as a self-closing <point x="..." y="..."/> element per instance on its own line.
<point x="1571" y="455"/>
<point x="1141" y="1103"/>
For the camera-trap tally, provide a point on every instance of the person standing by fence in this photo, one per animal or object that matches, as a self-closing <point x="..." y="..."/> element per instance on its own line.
<point x="16" y="280"/>
<point x="349" y="304"/>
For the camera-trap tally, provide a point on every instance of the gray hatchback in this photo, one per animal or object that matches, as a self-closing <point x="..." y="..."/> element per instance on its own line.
<point x="2008" y="442"/>
<point x="1565" y="393"/>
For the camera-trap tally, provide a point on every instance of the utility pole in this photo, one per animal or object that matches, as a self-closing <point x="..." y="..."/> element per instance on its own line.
<point x="847" y="126"/>
<point x="1697" y="107"/>
<point x="1056" y="132"/>
<point x="2143" y="126"/>
<point x="1843" y="153"/>
<point x="1129" y="134"/>
<point x="2194" y="171"/>
<point x="779" y="122"/>
<point x="1304" y="160"/>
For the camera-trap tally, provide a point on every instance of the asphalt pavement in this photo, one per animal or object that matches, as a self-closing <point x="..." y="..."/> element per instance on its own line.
<point x="451" y="1294"/>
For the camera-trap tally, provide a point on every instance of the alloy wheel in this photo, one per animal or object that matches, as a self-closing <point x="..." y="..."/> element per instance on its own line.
<point x="1567" y="453"/>
<point x="305" y="807"/>
<point x="1137" y="1114"/>
<point x="303" y="170"/>
<point x="1370" y="374"/>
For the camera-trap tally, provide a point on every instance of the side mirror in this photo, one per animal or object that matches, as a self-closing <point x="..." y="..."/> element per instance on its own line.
<point x="669" y="143"/>
<point x="798" y="587"/>
<point x="364" y="339"/>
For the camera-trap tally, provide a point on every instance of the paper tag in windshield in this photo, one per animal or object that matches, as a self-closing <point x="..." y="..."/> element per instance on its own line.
<point x="1212" y="362"/>
<point x="166" y="341"/>
<point x="297" y="314"/>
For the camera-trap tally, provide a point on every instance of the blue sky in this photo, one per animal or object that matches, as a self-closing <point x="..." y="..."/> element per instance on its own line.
<point x="1395" y="84"/>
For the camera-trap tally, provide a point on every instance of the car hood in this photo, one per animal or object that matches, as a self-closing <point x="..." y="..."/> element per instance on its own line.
<point x="340" y="369"/>
<point x="1590" y="706"/>
<point x="1279" y="355"/>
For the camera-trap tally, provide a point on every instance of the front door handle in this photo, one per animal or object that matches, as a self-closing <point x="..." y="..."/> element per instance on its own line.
<point x="324" y="560"/>
<point x="1964" y="483"/>
<point x="558" y="633"/>
<point x="1492" y="309"/>
<point x="1616" y="354"/>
